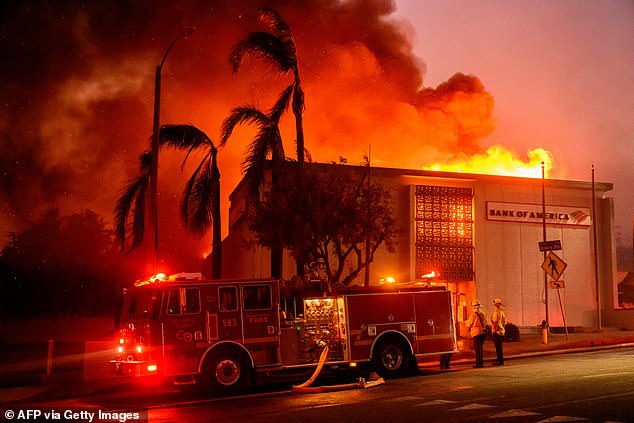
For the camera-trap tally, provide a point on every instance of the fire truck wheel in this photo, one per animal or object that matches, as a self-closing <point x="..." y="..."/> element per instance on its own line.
<point x="226" y="371"/>
<point x="391" y="358"/>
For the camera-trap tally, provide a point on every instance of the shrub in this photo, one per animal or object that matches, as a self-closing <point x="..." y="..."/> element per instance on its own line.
<point x="512" y="332"/>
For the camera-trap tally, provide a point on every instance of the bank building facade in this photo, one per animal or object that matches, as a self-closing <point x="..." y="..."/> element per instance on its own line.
<point x="480" y="236"/>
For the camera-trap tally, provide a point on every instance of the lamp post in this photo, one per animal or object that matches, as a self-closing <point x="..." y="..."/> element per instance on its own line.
<point x="153" y="221"/>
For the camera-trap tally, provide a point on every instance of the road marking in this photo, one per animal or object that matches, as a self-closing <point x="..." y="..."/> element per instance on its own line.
<point x="405" y="398"/>
<point x="473" y="406"/>
<point x="559" y="419"/>
<point x="513" y="413"/>
<point x="607" y="375"/>
<point x="435" y="402"/>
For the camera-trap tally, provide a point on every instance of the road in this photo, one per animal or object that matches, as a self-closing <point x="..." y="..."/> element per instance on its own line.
<point x="593" y="386"/>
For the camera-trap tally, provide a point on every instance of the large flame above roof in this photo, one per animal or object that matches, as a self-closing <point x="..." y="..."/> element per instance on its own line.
<point x="497" y="160"/>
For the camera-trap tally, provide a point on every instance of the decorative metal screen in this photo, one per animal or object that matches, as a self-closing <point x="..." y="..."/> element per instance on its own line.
<point x="444" y="232"/>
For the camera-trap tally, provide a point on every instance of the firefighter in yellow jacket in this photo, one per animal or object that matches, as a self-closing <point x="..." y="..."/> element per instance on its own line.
<point x="498" y="320"/>
<point x="477" y="331"/>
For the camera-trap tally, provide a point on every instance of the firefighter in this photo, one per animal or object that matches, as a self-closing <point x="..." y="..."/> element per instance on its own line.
<point x="477" y="331"/>
<point x="498" y="320"/>
<point x="445" y="360"/>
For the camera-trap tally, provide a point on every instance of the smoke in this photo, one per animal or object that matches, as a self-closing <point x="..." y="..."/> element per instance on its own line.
<point x="78" y="88"/>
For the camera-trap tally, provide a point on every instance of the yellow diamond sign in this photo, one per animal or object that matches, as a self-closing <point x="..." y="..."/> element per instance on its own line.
<point x="554" y="266"/>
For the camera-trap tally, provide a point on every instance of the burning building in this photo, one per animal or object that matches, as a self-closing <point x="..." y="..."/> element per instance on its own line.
<point x="480" y="236"/>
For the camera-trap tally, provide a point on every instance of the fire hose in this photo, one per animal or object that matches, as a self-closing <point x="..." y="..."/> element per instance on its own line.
<point x="307" y="389"/>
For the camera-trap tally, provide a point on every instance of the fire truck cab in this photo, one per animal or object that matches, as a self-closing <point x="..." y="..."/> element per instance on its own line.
<point x="221" y="333"/>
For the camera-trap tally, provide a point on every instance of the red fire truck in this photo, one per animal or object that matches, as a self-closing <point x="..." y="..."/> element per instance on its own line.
<point x="221" y="333"/>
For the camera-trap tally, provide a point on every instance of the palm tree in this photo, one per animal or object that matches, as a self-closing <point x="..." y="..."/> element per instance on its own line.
<point x="268" y="141"/>
<point x="278" y="47"/>
<point x="200" y="207"/>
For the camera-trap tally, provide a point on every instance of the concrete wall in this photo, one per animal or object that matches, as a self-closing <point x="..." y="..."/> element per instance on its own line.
<point x="509" y="261"/>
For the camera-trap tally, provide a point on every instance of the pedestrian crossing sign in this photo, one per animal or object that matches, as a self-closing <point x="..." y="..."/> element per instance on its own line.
<point x="554" y="266"/>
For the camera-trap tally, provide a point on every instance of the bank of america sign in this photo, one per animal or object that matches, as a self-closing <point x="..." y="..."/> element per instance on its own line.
<point x="532" y="213"/>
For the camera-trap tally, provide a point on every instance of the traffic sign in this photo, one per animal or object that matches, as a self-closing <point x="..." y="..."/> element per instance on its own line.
<point x="550" y="245"/>
<point x="554" y="266"/>
<point x="557" y="284"/>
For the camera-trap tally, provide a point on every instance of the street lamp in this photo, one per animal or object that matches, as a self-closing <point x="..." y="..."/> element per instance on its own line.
<point x="155" y="143"/>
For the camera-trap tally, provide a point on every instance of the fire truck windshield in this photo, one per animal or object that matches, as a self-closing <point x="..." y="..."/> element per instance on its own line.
<point x="257" y="297"/>
<point x="141" y="303"/>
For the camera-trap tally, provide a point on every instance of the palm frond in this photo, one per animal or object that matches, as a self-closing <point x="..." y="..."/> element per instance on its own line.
<point x="132" y="197"/>
<point x="242" y="115"/>
<point x="277" y="26"/>
<point x="138" y="222"/>
<point x="206" y="188"/>
<point x="254" y="162"/>
<point x="273" y="20"/>
<point x="202" y="189"/>
<point x="266" y="46"/>
<point x="187" y="193"/>
<point x="267" y="141"/>
<point x="281" y="104"/>
<point x="182" y="137"/>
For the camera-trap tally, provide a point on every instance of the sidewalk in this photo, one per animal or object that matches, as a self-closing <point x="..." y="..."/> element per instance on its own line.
<point x="529" y="345"/>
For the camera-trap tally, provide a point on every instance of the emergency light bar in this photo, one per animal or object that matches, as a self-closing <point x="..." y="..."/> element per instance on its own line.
<point x="185" y="276"/>
<point x="161" y="277"/>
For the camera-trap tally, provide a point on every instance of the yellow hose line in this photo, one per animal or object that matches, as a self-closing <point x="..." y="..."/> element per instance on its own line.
<point x="322" y="360"/>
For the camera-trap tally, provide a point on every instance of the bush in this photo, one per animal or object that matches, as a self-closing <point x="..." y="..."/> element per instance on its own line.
<point x="512" y="332"/>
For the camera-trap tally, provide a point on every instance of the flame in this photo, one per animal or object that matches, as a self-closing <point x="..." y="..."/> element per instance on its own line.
<point x="497" y="160"/>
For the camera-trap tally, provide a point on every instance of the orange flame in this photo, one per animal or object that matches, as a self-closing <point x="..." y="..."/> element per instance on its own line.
<point x="497" y="160"/>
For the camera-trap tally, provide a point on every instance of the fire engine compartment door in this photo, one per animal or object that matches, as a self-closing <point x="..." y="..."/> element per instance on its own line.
<point x="184" y="329"/>
<point x="260" y="316"/>
<point x="434" y="322"/>
<point x="371" y="315"/>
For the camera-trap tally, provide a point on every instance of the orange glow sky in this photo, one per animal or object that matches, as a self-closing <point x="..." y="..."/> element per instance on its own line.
<point x="423" y="82"/>
<point x="561" y="75"/>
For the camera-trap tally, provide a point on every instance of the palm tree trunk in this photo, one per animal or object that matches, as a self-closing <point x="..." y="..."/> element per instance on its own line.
<point x="300" y="138"/>
<point x="276" y="261"/>
<point x="216" y="243"/>
<point x="276" y="245"/>
<point x="298" y="110"/>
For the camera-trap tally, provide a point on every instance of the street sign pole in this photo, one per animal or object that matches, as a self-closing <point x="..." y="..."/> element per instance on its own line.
<point x="596" y="260"/>
<point x="563" y="313"/>
<point x="544" y="240"/>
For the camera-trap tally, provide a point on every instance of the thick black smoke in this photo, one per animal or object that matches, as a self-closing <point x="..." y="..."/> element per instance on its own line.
<point x="77" y="89"/>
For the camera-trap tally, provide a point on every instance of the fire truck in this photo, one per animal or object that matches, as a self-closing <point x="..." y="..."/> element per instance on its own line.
<point x="223" y="333"/>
